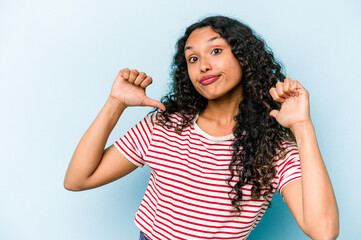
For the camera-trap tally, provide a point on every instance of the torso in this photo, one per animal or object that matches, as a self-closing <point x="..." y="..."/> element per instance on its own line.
<point x="187" y="196"/>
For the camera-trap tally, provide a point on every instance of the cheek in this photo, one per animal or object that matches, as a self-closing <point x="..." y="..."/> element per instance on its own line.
<point x="191" y="75"/>
<point x="237" y="70"/>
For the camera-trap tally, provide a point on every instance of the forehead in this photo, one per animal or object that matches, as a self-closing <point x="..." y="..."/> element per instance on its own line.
<point x="201" y="36"/>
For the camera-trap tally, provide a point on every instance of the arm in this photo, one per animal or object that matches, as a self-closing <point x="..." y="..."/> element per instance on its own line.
<point x="310" y="199"/>
<point x="92" y="166"/>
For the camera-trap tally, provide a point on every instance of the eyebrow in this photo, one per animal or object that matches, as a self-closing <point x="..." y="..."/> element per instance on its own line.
<point x="208" y="41"/>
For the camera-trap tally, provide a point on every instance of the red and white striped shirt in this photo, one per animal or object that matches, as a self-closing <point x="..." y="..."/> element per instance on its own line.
<point x="187" y="195"/>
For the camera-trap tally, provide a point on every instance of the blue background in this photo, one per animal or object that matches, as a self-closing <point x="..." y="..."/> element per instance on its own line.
<point x="58" y="60"/>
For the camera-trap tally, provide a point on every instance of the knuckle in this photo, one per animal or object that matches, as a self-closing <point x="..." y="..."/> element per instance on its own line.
<point x="134" y="71"/>
<point x="146" y="81"/>
<point x="121" y="72"/>
<point x="125" y="72"/>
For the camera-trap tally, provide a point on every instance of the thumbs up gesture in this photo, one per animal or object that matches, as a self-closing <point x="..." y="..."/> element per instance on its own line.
<point x="129" y="89"/>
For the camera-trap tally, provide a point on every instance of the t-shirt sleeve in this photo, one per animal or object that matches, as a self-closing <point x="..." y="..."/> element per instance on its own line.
<point x="135" y="143"/>
<point x="289" y="166"/>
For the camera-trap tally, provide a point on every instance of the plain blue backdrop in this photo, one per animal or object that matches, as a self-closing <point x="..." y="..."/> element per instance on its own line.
<point x="58" y="60"/>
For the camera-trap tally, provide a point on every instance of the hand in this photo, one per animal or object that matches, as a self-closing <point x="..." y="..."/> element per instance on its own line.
<point x="129" y="89"/>
<point x="294" y="103"/>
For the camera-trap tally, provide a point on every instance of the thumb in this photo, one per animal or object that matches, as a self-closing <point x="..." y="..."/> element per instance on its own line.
<point x="153" y="103"/>
<point x="274" y="113"/>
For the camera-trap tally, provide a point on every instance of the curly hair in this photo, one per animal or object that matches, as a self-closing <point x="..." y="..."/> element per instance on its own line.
<point x="258" y="137"/>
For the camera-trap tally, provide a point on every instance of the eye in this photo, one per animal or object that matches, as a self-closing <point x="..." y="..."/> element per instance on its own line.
<point x="216" y="51"/>
<point x="193" y="59"/>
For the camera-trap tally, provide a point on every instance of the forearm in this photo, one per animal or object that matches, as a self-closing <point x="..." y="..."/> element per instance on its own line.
<point x="320" y="213"/>
<point x="89" y="151"/>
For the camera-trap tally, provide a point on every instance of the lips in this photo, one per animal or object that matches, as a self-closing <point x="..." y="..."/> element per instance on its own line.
<point x="208" y="79"/>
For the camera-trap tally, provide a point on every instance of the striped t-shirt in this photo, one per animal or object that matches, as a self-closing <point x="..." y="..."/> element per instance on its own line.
<point x="187" y="195"/>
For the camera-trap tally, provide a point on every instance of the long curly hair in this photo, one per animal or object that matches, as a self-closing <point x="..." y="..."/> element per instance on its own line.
<point x="258" y="137"/>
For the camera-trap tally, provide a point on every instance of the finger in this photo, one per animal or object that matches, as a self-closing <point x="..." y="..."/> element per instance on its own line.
<point x="146" y="82"/>
<point x="133" y="75"/>
<point x="153" y="103"/>
<point x="280" y="90"/>
<point x="287" y="85"/>
<point x="124" y="73"/>
<point x="295" y="87"/>
<point x="275" y="95"/>
<point x="140" y="78"/>
<point x="274" y="113"/>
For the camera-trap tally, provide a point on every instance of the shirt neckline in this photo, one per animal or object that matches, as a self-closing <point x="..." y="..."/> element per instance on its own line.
<point x="210" y="137"/>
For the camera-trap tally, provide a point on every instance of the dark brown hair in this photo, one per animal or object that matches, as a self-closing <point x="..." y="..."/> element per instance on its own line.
<point x="258" y="137"/>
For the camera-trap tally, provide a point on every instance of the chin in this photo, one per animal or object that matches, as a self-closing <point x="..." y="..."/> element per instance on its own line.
<point x="211" y="96"/>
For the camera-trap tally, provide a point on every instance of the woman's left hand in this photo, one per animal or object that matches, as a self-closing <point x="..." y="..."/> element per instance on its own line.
<point x="294" y="103"/>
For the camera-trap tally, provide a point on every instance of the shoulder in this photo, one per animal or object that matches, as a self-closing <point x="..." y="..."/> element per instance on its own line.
<point x="289" y="148"/>
<point x="172" y="120"/>
<point x="287" y="164"/>
<point x="288" y="151"/>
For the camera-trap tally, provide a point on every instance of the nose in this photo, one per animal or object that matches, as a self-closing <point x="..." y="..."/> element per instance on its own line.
<point x="205" y="65"/>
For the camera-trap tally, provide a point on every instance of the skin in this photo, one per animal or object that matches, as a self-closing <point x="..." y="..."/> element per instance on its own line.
<point x="209" y="54"/>
<point x="310" y="199"/>
<point x="91" y="166"/>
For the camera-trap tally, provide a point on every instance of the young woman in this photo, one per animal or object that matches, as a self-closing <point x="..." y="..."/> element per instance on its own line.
<point x="223" y="141"/>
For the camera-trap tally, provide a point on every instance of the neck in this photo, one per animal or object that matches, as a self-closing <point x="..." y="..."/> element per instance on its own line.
<point x="223" y="109"/>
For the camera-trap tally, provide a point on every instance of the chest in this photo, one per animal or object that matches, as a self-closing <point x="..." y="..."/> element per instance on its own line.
<point x="188" y="152"/>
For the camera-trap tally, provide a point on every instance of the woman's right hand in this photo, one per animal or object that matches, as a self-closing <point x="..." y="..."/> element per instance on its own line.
<point x="129" y="89"/>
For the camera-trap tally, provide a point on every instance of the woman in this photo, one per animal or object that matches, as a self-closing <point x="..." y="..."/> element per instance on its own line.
<point x="223" y="141"/>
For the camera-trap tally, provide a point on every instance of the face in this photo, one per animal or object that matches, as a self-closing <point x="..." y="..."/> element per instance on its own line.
<point x="212" y="67"/>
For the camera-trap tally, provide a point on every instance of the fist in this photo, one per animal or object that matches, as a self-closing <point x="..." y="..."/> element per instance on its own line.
<point x="129" y="89"/>
<point x="294" y="103"/>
